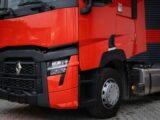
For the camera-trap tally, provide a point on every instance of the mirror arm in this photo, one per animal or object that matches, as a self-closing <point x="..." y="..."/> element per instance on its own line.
<point x="88" y="8"/>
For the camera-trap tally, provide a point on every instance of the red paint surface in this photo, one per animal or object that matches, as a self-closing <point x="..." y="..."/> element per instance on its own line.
<point x="140" y="33"/>
<point x="92" y="31"/>
<point x="47" y="29"/>
<point x="67" y="99"/>
<point x="96" y="28"/>
<point x="126" y="8"/>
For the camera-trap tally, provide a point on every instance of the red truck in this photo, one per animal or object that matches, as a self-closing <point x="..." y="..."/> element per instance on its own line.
<point x="70" y="54"/>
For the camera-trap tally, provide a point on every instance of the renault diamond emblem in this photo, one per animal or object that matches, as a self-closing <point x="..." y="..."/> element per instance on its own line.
<point x="18" y="68"/>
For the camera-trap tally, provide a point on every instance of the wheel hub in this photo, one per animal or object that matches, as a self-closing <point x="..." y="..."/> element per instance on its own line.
<point x="110" y="93"/>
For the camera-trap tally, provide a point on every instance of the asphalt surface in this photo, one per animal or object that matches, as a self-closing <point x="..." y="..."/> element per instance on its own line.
<point x="144" y="108"/>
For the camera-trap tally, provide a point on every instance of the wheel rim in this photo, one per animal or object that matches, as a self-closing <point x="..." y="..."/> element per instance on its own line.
<point x="110" y="93"/>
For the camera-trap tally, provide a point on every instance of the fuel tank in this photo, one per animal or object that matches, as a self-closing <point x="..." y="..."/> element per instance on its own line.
<point x="47" y="29"/>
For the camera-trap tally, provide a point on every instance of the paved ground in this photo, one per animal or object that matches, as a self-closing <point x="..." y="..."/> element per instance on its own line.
<point x="144" y="108"/>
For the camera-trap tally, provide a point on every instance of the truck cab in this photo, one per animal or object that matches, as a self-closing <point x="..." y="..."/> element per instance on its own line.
<point x="68" y="54"/>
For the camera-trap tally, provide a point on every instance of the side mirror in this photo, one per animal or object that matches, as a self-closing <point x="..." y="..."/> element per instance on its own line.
<point x="134" y="9"/>
<point x="88" y="8"/>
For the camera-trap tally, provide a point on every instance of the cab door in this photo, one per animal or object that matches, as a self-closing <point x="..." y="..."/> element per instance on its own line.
<point x="95" y="28"/>
<point x="125" y="27"/>
<point x="130" y="27"/>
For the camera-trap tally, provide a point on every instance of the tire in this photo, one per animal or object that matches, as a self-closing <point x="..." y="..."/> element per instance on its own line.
<point x="100" y="108"/>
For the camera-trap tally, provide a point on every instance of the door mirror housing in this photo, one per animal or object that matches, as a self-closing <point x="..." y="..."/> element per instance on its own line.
<point x="88" y="8"/>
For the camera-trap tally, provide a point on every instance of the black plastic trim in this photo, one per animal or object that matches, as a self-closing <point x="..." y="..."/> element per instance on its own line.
<point x="102" y="3"/>
<point x="134" y="9"/>
<point x="18" y="98"/>
<point x="111" y="41"/>
<point x="111" y="56"/>
<point x="87" y="88"/>
<point x="43" y="99"/>
<point x="39" y="56"/>
<point x="61" y="80"/>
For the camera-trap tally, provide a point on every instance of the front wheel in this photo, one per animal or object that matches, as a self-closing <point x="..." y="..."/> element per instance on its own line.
<point x="109" y="94"/>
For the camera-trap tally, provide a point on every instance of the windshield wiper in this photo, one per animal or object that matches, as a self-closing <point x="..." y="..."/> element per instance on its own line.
<point x="6" y="12"/>
<point x="30" y="3"/>
<point x="39" y="5"/>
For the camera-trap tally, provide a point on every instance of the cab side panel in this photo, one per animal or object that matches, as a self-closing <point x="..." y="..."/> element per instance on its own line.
<point x="95" y="29"/>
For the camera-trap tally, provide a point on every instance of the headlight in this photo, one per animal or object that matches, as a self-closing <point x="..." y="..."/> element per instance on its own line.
<point x="57" y="67"/>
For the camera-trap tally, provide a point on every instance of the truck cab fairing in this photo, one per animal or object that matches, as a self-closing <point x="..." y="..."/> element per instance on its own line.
<point x="32" y="39"/>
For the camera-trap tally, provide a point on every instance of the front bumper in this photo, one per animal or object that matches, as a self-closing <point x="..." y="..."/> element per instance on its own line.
<point x="46" y="91"/>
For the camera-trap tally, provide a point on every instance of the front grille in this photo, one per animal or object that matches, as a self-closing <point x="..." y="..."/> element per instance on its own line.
<point x="29" y="79"/>
<point x="28" y="68"/>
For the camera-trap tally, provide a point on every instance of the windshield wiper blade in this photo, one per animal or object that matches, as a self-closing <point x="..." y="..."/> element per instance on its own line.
<point x="39" y="5"/>
<point x="30" y="3"/>
<point x="6" y="12"/>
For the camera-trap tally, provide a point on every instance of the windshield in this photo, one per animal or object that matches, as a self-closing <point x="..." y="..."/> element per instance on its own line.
<point x="27" y="7"/>
<point x="1" y="3"/>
